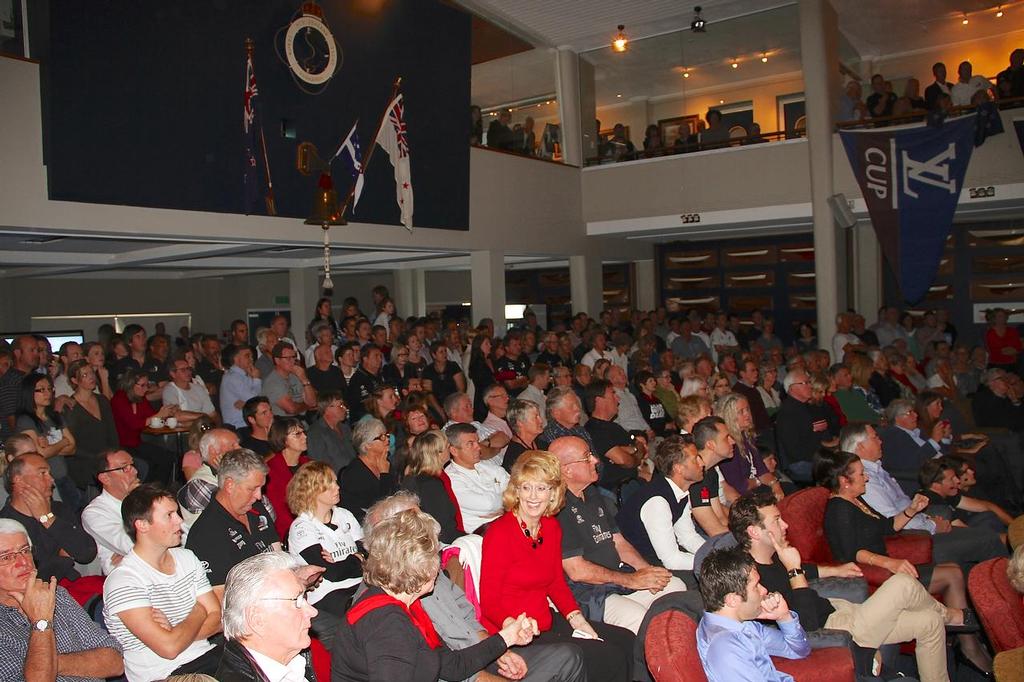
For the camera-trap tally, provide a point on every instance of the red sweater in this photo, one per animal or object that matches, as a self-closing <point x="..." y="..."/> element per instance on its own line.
<point x="515" y="577"/>
<point x="130" y="423"/>
<point x="276" y="491"/>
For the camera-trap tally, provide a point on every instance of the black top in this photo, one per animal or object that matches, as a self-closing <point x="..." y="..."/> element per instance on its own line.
<point x="443" y="381"/>
<point x="850" y="530"/>
<point x="814" y="610"/>
<point x="329" y="379"/>
<point x="92" y="436"/>
<point x="435" y="501"/>
<point x="703" y="492"/>
<point x="359" y="388"/>
<point x="394" y="377"/>
<point x="888" y="99"/>
<point x="653" y="413"/>
<point x="606" y="435"/>
<point x="550" y="359"/>
<point x="513" y="368"/>
<point x="384" y="646"/>
<point x="64" y="533"/>
<point x="220" y="541"/>
<point x="885" y="387"/>
<point x="360" y="488"/>
<point x="946" y="507"/>
<point x="156" y="370"/>
<point x="762" y="422"/>
<point x="512" y="452"/>
<point x="123" y="365"/>
<point x="210" y="375"/>
<point x="260" y="447"/>
<point x="800" y="431"/>
<point x="238" y="665"/>
<point x="588" y="527"/>
<point x="932" y="92"/>
<point x="482" y="376"/>
<point x="992" y="411"/>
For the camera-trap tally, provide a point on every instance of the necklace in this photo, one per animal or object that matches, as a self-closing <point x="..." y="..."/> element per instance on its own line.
<point x="535" y="540"/>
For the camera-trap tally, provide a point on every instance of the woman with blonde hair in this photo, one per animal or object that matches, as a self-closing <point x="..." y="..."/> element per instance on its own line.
<point x="746" y="469"/>
<point x="324" y="534"/>
<point x="387" y="635"/>
<point x="719" y="386"/>
<point x="425" y="476"/>
<point x="521" y="569"/>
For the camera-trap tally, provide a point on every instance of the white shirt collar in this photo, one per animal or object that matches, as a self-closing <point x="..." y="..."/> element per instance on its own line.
<point x="295" y="671"/>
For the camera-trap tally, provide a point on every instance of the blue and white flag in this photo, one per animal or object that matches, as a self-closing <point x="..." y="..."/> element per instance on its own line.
<point x="911" y="179"/>
<point x="352" y="154"/>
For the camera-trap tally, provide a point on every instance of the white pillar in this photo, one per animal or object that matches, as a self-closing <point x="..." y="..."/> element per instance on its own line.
<point x="567" y="79"/>
<point x="411" y="292"/>
<point x="818" y="31"/>
<point x="646" y="292"/>
<point x="487" y="281"/>
<point x="303" y="292"/>
<point x="586" y="284"/>
<point x="867" y="271"/>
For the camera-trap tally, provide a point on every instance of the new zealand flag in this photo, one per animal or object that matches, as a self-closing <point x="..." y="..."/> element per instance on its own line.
<point x="911" y="179"/>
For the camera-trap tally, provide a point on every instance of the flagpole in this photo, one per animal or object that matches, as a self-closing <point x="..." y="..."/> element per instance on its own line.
<point x="368" y="154"/>
<point x="250" y="46"/>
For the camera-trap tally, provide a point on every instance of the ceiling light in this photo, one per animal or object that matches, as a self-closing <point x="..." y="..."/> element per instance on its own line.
<point x="698" y="23"/>
<point x="735" y="64"/>
<point x="721" y="101"/>
<point x="686" y="73"/>
<point x="618" y="95"/>
<point x="999" y="12"/>
<point x="764" y="57"/>
<point x="965" y="20"/>
<point x="620" y="42"/>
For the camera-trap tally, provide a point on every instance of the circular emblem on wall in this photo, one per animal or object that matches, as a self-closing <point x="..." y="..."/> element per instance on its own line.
<point x="310" y="50"/>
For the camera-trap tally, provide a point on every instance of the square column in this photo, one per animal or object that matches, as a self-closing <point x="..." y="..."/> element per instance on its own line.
<point x="646" y="291"/>
<point x="411" y="292"/>
<point x="487" y="281"/>
<point x="586" y="284"/>
<point x="303" y="292"/>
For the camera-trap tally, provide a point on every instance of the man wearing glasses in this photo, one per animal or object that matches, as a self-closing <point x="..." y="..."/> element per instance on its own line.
<point x="595" y="555"/>
<point x="158" y="602"/>
<point x="42" y="629"/>
<point x="287" y="387"/>
<point x="102" y="517"/>
<point x="801" y="428"/>
<point x="192" y="399"/>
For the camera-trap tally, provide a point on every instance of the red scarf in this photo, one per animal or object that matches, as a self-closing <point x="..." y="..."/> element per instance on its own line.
<point x="447" y="482"/>
<point x="416" y="614"/>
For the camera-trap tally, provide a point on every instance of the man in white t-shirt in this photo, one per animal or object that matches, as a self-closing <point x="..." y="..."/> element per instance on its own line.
<point x="478" y="485"/>
<point x="967" y="85"/>
<point x="598" y="351"/>
<point x="722" y="340"/>
<point x="157" y="602"/>
<point x="102" y="517"/>
<point x="844" y="340"/>
<point x="192" y="399"/>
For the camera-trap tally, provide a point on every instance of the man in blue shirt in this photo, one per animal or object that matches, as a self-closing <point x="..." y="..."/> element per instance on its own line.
<point x="732" y="645"/>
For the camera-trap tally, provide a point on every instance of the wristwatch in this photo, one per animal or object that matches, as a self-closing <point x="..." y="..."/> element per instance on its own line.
<point x="41" y="625"/>
<point x="795" y="572"/>
<point x="45" y="517"/>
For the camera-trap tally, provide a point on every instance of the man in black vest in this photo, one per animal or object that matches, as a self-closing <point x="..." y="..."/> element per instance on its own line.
<point x="656" y="519"/>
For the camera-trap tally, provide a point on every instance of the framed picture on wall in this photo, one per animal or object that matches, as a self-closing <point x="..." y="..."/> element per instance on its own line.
<point x="672" y="129"/>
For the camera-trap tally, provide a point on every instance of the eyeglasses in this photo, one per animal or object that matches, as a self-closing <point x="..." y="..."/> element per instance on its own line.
<point x="383" y="436"/>
<point x="300" y="432"/>
<point x="540" y="489"/>
<point x="586" y="458"/>
<point x="10" y="557"/>
<point x="800" y="383"/>
<point x="123" y="467"/>
<point x="44" y="389"/>
<point x="298" y="602"/>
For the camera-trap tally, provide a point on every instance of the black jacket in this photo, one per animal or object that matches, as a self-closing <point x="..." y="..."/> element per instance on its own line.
<point x="238" y="665"/>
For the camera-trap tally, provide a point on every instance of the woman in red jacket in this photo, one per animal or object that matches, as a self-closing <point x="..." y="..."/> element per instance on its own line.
<point x="287" y="440"/>
<point x="522" y="567"/>
<point x="132" y="413"/>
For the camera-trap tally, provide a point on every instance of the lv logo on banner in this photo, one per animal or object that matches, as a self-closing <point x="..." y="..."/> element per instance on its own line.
<point x="911" y="178"/>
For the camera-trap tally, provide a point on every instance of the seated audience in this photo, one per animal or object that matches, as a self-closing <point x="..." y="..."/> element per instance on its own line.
<point x="258" y="417"/>
<point x="330" y="438"/>
<point x="521" y="569"/>
<point x="651" y="409"/>
<point x="288" y="443"/>
<point x="900" y="610"/>
<point x="564" y="414"/>
<point x="266" y="621"/>
<point x="89" y="419"/>
<point x="37" y="418"/>
<point x="997" y="404"/>
<point x="425" y="476"/>
<point x="234" y="525"/>
<point x="853" y="402"/>
<point x="905" y="446"/>
<point x="800" y="426"/>
<point x="326" y="535"/>
<point x="540" y="381"/>
<point x="45" y="634"/>
<point x="941" y="485"/>
<point x="526" y="421"/>
<point x="611" y="581"/>
<point x="856" y="532"/>
<point x="478" y="484"/>
<point x="493" y="441"/>
<point x="731" y="643"/>
<point x="368" y="478"/>
<point x="714" y="445"/>
<point x="610" y="442"/>
<point x="191" y="399"/>
<point x="364" y="380"/>
<point x="745" y="470"/>
<point x="157" y="602"/>
<point x="101" y="518"/>
<point x="132" y="412"/>
<point x="628" y="414"/>
<point x="195" y="495"/>
<point x="54" y="529"/>
<point x="746" y="385"/>
<point x="240" y="383"/>
<point x="657" y="519"/>
<point x="287" y="387"/>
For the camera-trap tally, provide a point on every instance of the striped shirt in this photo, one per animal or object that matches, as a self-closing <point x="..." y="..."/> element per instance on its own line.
<point x="135" y="584"/>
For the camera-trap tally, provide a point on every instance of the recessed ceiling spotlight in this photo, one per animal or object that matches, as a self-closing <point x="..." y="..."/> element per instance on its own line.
<point x="721" y="101"/>
<point x="999" y="12"/>
<point x="735" y="64"/>
<point x="620" y="43"/>
<point x="965" y="20"/>
<point x="686" y="73"/>
<point x="764" y="57"/>
<point x="698" y="24"/>
<point x="618" y="95"/>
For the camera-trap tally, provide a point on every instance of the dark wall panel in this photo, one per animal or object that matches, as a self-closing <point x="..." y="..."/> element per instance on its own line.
<point x="145" y="103"/>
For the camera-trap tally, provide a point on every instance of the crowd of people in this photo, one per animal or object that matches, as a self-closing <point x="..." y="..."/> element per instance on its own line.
<point x="429" y="500"/>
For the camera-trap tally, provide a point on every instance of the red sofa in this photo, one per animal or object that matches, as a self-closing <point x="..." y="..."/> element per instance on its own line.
<point x="999" y="606"/>
<point x="671" y="652"/>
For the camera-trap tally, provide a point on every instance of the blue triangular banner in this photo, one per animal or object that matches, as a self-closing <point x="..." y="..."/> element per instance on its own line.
<point x="911" y="178"/>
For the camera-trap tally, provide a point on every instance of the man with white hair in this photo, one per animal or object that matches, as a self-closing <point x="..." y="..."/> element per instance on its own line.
<point x="102" y="517"/>
<point x="801" y="428"/>
<point x="565" y="414"/>
<point x="459" y="408"/>
<point x="478" y="484"/>
<point x="200" y="489"/>
<point x="44" y="633"/>
<point x="266" y="339"/>
<point x="266" y="621"/>
<point x="454" y="618"/>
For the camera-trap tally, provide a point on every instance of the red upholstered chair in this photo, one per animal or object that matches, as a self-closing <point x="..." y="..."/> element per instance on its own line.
<point x="671" y="652"/>
<point x="998" y="605"/>
<point x="321" y="660"/>
<point x="804" y="513"/>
